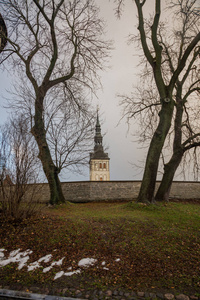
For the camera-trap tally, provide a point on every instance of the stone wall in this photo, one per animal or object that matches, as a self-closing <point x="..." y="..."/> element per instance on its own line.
<point x="86" y="191"/>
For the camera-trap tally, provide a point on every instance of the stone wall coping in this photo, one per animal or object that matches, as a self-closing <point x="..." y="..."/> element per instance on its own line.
<point x="110" y="181"/>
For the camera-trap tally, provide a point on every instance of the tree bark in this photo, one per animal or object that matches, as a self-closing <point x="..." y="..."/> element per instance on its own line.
<point x="50" y="170"/>
<point x="178" y="151"/>
<point x="146" y="194"/>
<point x="168" y="176"/>
<point x="154" y="58"/>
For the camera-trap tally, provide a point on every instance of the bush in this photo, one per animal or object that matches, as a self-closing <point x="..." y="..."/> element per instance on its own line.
<point x="19" y="167"/>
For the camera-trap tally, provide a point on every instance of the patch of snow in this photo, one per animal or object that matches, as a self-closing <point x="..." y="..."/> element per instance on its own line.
<point x="54" y="263"/>
<point x="72" y="273"/>
<point x="105" y="268"/>
<point x="1" y="253"/>
<point x="59" y="262"/>
<point x="59" y="274"/>
<point x="16" y="257"/>
<point x="47" y="269"/>
<point x="62" y="273"/>
<point x="117" y="259"/>
<point x="86" y="262"/>
<point x="21" y="258"/>
<point x="23" y="261"/>
<point x="36" y="264"/>
<point x="14" y="252"/>
<point x="33" y="266"/>
<point x="45" y="258"/>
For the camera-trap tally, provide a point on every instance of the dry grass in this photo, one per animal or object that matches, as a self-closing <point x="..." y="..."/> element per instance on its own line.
<point x="158" y="246"/>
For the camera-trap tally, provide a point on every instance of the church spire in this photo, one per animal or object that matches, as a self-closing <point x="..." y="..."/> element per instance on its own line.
<point x="98" y="141"/>
<point x="98" y="137"/>
<point x="99" y="160"/>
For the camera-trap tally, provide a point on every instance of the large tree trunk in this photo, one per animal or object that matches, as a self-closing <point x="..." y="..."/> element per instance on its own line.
<point x="171" y="167"/>
<point x="168" y="176"/>
<point x="50" y="170"/>
<point x="146" y="194"/>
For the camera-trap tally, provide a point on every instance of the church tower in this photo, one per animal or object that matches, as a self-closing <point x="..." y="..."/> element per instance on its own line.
<point x="99" y="160"/>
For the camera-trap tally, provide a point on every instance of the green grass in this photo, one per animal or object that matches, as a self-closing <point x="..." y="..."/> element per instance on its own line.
<point x="158" y="245"/>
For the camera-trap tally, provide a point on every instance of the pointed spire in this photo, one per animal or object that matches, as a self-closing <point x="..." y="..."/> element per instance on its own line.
<point x="98" y="128"/>
<point x="98" y="145"/>
<point x="98" y="136"/>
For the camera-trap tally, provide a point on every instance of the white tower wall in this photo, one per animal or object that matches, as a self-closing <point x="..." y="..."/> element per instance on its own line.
<point x="99" y="170"/>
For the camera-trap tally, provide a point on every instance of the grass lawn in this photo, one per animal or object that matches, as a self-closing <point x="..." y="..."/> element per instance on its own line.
<point x="137" y="247"/>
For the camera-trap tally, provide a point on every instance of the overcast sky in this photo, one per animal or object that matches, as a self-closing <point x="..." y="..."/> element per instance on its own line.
<point x="120" y="78"/>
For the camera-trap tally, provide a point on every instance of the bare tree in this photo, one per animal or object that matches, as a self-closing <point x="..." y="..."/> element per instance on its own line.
<point x="184" y="133"/>
<point x="69" y="124"/>
<point x="171" y="59"/>
<point x="19" y="167"/>
<point x="57" y="44"/>
<point x="69" y="134"/>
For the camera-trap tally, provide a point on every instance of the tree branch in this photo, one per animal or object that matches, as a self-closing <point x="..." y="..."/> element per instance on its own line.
<point x="196" y="53"/>
<point x="142" y="32"/>
<point x="183" y="60"/>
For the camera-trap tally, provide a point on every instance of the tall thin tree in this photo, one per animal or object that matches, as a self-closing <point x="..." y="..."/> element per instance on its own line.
<point x="58" y="44"/>
<point x="165" y="77"/>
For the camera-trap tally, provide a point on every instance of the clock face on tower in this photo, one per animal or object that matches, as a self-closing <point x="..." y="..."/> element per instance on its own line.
<point x="3" y="34"/>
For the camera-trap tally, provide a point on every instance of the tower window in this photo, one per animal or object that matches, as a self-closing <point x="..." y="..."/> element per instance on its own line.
<point x="104" y="165"/>
<point x="100" y="165"/>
